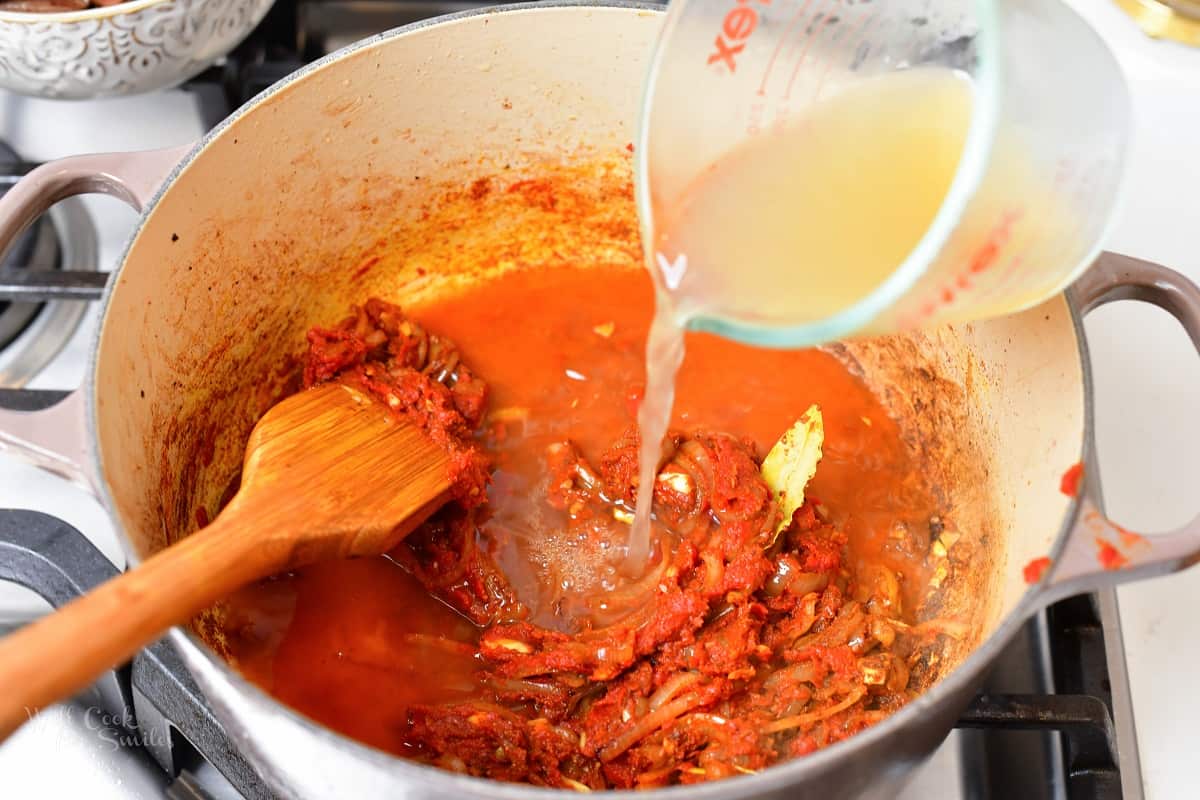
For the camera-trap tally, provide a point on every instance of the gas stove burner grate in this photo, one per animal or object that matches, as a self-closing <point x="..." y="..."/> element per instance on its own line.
<point x="37" y="247"/>
<point x="33" y="326"/>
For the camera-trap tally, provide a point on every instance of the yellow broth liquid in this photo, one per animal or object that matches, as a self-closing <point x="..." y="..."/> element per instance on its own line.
<point x="797" y="224"/>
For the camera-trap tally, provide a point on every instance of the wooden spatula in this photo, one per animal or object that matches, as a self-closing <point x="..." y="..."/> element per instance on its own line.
<point x="328" y="473"/>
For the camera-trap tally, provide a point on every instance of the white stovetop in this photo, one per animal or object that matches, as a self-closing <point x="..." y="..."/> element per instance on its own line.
<point x="1147" y="380"/>
<point x="1147" y="377"/>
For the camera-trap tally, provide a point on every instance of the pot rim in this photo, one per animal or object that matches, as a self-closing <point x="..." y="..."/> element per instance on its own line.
<point x="199" y="658"/>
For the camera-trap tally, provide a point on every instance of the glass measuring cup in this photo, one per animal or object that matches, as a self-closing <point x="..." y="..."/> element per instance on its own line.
<point x="1028" y="196"/>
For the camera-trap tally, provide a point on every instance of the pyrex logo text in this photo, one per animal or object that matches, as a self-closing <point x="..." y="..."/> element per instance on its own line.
<point x="736" y="28"/>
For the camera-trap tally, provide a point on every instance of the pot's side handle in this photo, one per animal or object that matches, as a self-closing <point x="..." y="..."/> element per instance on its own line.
<point x="1085" y="561"/>
<point x="131" y="177"/>
<point x="55" y="438"/>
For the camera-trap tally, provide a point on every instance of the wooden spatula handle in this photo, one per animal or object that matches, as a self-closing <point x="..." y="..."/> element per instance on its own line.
<point x="328" y="473"/>
<point x="62" y="653"/>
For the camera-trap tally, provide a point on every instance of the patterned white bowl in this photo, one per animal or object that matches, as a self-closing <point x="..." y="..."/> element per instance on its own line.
<point x="128" y="48"/>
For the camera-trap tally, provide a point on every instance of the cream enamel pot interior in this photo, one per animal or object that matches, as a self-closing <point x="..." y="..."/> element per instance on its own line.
<point x="258" y="231"/>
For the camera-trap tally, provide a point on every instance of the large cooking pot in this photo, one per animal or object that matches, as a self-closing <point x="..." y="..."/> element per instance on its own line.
<point x="263" y="228"/>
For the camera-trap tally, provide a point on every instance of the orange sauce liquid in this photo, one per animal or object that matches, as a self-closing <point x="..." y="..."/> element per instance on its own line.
<point x="354" y="644"/>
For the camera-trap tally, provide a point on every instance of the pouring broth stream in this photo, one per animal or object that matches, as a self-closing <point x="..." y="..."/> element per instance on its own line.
<point x="796" y="225"/>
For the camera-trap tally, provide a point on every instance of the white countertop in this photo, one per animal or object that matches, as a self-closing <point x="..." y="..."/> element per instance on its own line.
<point x="1147" y="377"/>
<point x="1147" y="386"/>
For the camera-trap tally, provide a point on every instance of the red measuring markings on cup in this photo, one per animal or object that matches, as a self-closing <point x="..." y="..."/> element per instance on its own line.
<point x="857" y="45"/>
<point x="779" y="45"/>
<point x="739" y="22"/>
<point x="983" y="259"/>
<point x="858" y="29"/>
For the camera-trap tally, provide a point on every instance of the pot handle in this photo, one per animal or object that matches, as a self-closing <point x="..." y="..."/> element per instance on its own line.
<point x="55" y="438"/>
<point x="132" y="177"/>
<point x="1084" y="560"/>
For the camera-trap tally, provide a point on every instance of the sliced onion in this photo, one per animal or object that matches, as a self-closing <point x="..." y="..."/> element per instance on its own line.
<point x="643" y="727"/>
<point x="785" y="571"/>
<point x="624" y="603"/>
<point x="672" y="687"/>
<point x="714" y="572"/>
<point x="804" y="672"/>
<point x="809" y="582"/>
<point x="526" y="688"/>
<point x="953" y="628"/>
<point x="449" y="645"/>
<point x="804" y="720"/>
